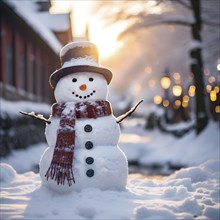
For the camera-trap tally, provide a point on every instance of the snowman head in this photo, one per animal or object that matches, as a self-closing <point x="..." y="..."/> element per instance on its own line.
<point x="81" y="77"/>
<point x="81" y="86"/>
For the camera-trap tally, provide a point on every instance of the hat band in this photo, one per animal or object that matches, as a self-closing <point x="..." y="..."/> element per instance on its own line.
<point x="80" y="52"/>
<point x="58" y="74"/>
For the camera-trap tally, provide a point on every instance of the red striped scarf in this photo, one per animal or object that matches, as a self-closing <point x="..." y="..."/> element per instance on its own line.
<point x="60" y="168"/>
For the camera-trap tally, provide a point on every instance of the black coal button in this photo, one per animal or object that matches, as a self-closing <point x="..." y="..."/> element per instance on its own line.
<point x="90" y="173"/>
<point x="88" y="128"/>
<point x="89" y="160"/>
<point x="89" y="145"/>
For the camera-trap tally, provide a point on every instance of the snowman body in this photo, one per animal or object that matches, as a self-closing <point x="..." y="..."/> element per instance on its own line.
<point x="98" y="161"/>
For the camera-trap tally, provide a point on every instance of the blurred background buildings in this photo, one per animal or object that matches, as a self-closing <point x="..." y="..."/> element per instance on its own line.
<point x="31" y="39"/>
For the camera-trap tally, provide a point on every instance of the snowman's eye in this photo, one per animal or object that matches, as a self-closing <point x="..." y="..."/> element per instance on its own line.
<point x="91" y="79"/>
<point x="74" y="79"/>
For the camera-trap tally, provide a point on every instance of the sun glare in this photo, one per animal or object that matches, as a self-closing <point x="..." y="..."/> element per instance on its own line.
<point x="81" y="16"/>
<point x="105" y="37"/>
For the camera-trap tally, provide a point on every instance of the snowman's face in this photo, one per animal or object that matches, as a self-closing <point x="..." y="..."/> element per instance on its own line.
<point x="82" y="86"/>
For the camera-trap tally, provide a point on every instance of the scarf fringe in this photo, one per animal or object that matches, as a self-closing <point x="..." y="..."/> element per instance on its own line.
<point x="60" y="172"/>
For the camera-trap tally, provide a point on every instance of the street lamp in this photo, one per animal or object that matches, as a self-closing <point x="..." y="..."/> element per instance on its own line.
<point x="177" y="90"/>
<point x="157" y="100"/>
<point x="165" y="83"/>
<point x="192" y="90"/>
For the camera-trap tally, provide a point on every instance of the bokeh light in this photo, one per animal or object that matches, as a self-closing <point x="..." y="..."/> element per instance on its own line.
<point x="165" y="82"/>
<point x="157" y="99"/>
<point x="192" y="90"/>
<point x="177" y="90"/>
<point x="213" y="96"/>
<point x="166" y="103"/>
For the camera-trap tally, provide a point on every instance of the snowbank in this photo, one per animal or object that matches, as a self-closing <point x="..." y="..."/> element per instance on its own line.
<point x="154" y="147"/>
<point x="191" y="193"/>
<point x="18" y="131"/>
<point x="12" y="109"/>
<point x="25" y="160"/>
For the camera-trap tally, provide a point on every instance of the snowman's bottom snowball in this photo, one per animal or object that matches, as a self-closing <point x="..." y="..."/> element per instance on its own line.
<point x="110" y="170"/>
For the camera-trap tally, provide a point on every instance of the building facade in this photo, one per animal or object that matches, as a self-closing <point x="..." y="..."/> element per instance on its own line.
<point x="29" y="54"/>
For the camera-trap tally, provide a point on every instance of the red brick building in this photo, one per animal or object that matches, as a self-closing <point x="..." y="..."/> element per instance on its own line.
<point x="29" y="51"/>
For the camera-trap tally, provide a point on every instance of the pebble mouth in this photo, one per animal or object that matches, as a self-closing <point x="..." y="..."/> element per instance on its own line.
<point x="83" y="97"/>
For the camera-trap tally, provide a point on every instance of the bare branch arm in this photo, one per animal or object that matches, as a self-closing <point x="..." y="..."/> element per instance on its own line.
<point x="39" y="117"/>
<point x="122" y="117"/>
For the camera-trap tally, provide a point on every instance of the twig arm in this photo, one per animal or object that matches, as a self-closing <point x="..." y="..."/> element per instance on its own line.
<point x="39" y="117"/>
<point x="122" y="117"/>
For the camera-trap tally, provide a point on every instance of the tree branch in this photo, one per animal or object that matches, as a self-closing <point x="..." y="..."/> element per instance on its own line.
<point x="154" y="21"/>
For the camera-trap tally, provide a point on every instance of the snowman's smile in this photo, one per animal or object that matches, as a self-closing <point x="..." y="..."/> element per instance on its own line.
<point x="83" y="96"/>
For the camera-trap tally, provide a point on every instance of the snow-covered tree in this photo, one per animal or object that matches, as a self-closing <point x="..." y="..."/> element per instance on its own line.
<point x="188" y="13"/>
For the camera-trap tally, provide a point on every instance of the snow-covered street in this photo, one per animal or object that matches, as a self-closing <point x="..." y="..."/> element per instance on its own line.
<point x="148" y="147"/>
<point x="143" y="147"/>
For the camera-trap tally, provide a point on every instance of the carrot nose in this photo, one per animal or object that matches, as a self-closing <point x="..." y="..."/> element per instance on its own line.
<point x="83" y="87"/>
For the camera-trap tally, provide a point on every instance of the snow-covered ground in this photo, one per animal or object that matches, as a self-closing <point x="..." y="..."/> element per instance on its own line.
<point x="153" y="147"/>
<point x="190" y="193"/>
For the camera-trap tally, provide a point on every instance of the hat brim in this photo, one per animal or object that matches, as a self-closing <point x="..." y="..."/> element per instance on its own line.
<point x="58" y="74"/>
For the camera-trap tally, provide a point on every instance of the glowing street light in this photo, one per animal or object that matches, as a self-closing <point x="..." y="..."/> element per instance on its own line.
<point x="166" y="103"/>
<point x="185" y="102"/>
<point x="157" y="99"/>
<point x="192" y="90"/>
<point x="177" y="104"/>
<point x="217" y="109"/>
<point x="213" y="96"/>
<point x="165" y="82"/>
<point x="216" y="89"/>
<point x="177" y="90"/>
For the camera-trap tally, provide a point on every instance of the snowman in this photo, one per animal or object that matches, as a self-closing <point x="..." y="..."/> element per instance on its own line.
<point x="83" y="134"/>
